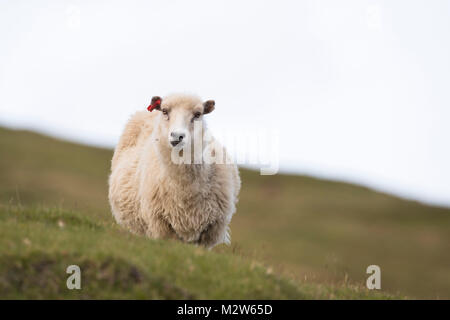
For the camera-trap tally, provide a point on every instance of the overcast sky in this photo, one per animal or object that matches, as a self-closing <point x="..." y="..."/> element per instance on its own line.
<point x="358" y="91"/>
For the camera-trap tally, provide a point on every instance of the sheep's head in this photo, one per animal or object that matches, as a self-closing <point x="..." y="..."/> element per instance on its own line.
<point x="179" y="114"/>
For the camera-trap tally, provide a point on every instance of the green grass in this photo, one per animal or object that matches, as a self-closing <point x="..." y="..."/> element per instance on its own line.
<point x="293" y="236"/>
<point x="38" y="244"/>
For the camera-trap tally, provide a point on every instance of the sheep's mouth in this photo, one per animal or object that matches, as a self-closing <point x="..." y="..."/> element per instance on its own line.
<point x="176" y="143"/>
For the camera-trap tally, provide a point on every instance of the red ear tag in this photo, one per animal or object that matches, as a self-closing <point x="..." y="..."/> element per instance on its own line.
<point x="154" y="105"/>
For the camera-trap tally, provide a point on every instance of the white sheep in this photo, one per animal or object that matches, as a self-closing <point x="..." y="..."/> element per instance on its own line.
<point x="152" y="194"/>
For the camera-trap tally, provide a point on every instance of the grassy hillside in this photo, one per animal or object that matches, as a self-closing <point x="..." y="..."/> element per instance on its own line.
<point x="293" y="236"/>
<point x="38" y="244"/>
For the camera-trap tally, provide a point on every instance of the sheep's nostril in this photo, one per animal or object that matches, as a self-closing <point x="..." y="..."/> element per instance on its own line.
<point x="176" y="138"/>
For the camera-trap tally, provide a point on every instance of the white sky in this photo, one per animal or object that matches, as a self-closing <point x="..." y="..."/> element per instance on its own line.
<point x="358" y="91"/>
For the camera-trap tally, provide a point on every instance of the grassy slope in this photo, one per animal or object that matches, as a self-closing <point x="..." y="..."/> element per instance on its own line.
<point x="323" y="231"/>
<point x="38" y="244"/>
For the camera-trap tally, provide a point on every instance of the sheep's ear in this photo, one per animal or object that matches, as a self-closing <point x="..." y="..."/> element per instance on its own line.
<point x="208" y="106"/>
<point x="155" y="104"/>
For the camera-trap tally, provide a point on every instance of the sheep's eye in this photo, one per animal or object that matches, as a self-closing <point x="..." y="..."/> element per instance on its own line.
<point x="165" y="112"/>
<point x="197" y="115"/>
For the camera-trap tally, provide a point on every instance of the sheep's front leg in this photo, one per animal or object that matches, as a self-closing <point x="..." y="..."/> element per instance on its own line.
<point x="214" y="234"/>
<point x="158" y="228"/>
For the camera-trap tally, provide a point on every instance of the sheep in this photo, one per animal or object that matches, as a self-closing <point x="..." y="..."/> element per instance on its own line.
<point x="152" y="195"/>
